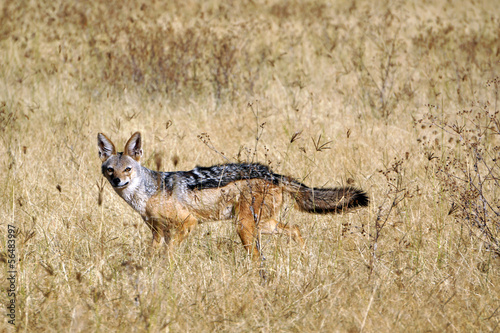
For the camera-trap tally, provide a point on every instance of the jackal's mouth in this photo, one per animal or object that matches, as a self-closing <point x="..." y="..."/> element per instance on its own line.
<point x="119" y="186"/>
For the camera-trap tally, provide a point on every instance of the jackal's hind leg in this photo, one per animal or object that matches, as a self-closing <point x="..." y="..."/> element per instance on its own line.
<point x="246" y="230"/>
<point x="272" y="226"/>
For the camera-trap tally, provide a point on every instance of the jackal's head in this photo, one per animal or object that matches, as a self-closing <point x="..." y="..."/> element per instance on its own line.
<point x="121" y="169"/>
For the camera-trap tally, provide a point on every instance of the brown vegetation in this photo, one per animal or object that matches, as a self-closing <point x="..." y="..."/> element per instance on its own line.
<point x="400" y="99"/>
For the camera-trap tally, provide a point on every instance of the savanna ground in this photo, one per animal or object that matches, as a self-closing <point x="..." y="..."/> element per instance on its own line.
<point x="398" y="98"/>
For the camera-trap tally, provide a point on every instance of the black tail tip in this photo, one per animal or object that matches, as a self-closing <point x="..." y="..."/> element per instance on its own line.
<point x="359" y="199"/>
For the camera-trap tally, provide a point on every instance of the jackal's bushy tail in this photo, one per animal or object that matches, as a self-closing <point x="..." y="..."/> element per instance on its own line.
<point x="327" y="200"/>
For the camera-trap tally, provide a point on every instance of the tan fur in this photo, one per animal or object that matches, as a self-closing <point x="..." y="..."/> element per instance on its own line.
<point x="166" y="214"/>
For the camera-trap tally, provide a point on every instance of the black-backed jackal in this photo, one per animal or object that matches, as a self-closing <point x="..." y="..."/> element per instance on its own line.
<point x="173" y="203"/>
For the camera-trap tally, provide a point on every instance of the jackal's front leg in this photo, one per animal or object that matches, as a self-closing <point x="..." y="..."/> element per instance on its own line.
<point x="158" y="236"/>
<point x="160" y="232"/>
<point x="182" y="232"/>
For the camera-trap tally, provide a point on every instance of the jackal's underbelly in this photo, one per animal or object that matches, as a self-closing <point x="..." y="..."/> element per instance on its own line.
<point x="214" y="213"/>
<point x="212" y="204"/>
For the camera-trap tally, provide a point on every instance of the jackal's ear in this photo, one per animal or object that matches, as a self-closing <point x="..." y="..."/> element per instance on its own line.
<point x="106" y="147"/>
<point x="133" y="148"/>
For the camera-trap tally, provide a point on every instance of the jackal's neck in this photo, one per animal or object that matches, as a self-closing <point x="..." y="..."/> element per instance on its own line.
<point x="142" y="187"/>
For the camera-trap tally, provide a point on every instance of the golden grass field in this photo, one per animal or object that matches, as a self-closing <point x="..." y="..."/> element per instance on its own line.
<point x="373" y="95"/>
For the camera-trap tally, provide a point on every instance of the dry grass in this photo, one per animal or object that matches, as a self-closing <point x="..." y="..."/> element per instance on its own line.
<point x="383" y="83"/>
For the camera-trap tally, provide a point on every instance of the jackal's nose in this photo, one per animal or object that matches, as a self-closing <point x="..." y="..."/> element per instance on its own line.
<point x="116" y="181"/>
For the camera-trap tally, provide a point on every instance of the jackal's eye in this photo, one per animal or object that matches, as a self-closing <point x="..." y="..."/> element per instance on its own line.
<point x="110" y="170"/>
<point x="127" y="169"/>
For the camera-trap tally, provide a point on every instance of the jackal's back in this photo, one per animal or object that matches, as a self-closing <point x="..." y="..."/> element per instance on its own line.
<point x="221" y="175"/>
